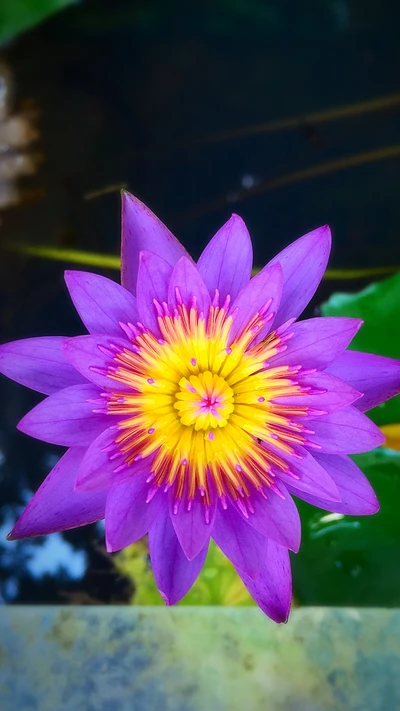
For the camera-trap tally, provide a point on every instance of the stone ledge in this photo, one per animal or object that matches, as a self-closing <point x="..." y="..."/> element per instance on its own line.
<point x="198" y="659"/>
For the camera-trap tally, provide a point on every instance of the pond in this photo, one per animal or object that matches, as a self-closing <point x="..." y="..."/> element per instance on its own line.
<point x="287" y="113"/>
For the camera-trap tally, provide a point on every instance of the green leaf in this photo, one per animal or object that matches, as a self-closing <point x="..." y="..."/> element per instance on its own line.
<point x="379" y="306"/>
<point x="353" y="560"/>
<point x="19" y="15"/>
<point x="347" y="560"/>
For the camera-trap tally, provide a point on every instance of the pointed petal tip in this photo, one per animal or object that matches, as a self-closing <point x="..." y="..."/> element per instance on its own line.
<point x="277" y="268"/>
<point x="142" y="229"/>
<point x="69" y="279"/>
<point x="374" y="506"/>
<point x="236" y="218"/>
<point x="38" y="363"/>
<point x="377" y="377"/>
<point x="226" y="261"/>
<point x="67" y="343"/>
<point x="321" y="233"/>
<point x="22" y="425"/>
<point x="191" y="528"/>
<point x="186" y="260"/>
<point x="267" y="284"/>
<point x="284" y="618"/>
<point x="381" y="438"/>
<point x="70" y="273"/>
<point x="126" y="195"/>
<point x="166" y="599"/>
<point x="190" y="549"/>
<point x="318" y="235"/>
<point x="272" y="591"/>
<point x="173" y="573"/>
<point x="54" y="507"/>
<point x="295" y="547"/>
<point x="304" y="262"/>
<point x="71" y="276"/>
<point x="236" y="222"/>
<point x="280" y="613"/>
<point x="187" y="278"/>
<point x="81" y="484"/>
<point x="109" y="547"/>
<point x="113" y="547"/>
<point x="131" y="202"/>
<point x="132" y="206"/>
<point x="19" y="531"/>
<point x="144" y="259"/>
<point x="358" y="497"/>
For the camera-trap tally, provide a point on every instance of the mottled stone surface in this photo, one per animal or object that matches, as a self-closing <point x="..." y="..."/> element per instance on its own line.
<point x="197" y="659"/>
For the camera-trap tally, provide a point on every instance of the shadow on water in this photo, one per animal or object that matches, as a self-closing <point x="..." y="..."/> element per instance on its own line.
<point x="155" y="97"/>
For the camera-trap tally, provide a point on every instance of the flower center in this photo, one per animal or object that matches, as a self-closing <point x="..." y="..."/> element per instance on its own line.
<point x="203" y="407"/>
<point x="204" y="401"/>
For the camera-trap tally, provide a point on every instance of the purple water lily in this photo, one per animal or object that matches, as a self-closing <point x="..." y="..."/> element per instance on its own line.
<point x="197" y="406"/>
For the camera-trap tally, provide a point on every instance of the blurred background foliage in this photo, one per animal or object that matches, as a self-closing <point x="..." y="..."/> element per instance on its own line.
<point x="19" y="15"/>
<point x="285" y="112"/>
<point x="217" y="584"/>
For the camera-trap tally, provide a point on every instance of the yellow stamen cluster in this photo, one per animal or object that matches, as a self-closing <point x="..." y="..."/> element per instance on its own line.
<point x="201" y="405"/>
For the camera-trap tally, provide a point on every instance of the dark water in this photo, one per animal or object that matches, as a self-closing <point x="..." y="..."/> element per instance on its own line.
<point x="146" y="95"/>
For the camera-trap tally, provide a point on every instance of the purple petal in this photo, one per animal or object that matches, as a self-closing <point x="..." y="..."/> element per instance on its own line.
<point x="242" y="544"/>
<point x="266" y="285"/>
<point x="345" y="432"/>
<point x="56" y="506"/>
<point x="83" y="352"/>
<point x="101" y="303"/>
<point x="39" y="364"/>
<point x="153" y="279"/>
<point x="375" y="376"/>
<point x="334" y="394"/>
<point x="318" y="341"/>
<point x="272" y="590"/>
<point x="174" y="573"/>
<point x="226" y="262"/>
<point x="97" y="471"/>
<point x="128" y="516"/>
<point x="187" y="279"/>
<point x="276" y="517"/>
<point x="358" y="497"/>
<point x="67" y="418"/>
<point x="191" y="527"/>
<point x="303" y="263"/>
<point x="311" y="476"/>
<point x="143" y="231"/>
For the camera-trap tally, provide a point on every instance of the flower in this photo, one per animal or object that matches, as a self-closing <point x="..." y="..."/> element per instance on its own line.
<point x="198" y="406"/>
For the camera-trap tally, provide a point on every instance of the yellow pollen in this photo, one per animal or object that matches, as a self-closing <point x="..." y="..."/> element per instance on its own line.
<point x="200" y="407"/>
<point x="204" y="401"/>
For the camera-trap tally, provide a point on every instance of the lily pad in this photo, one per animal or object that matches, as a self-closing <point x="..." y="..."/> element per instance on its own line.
<point x="353" y="560"/>
<point x="379" y="306"/>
